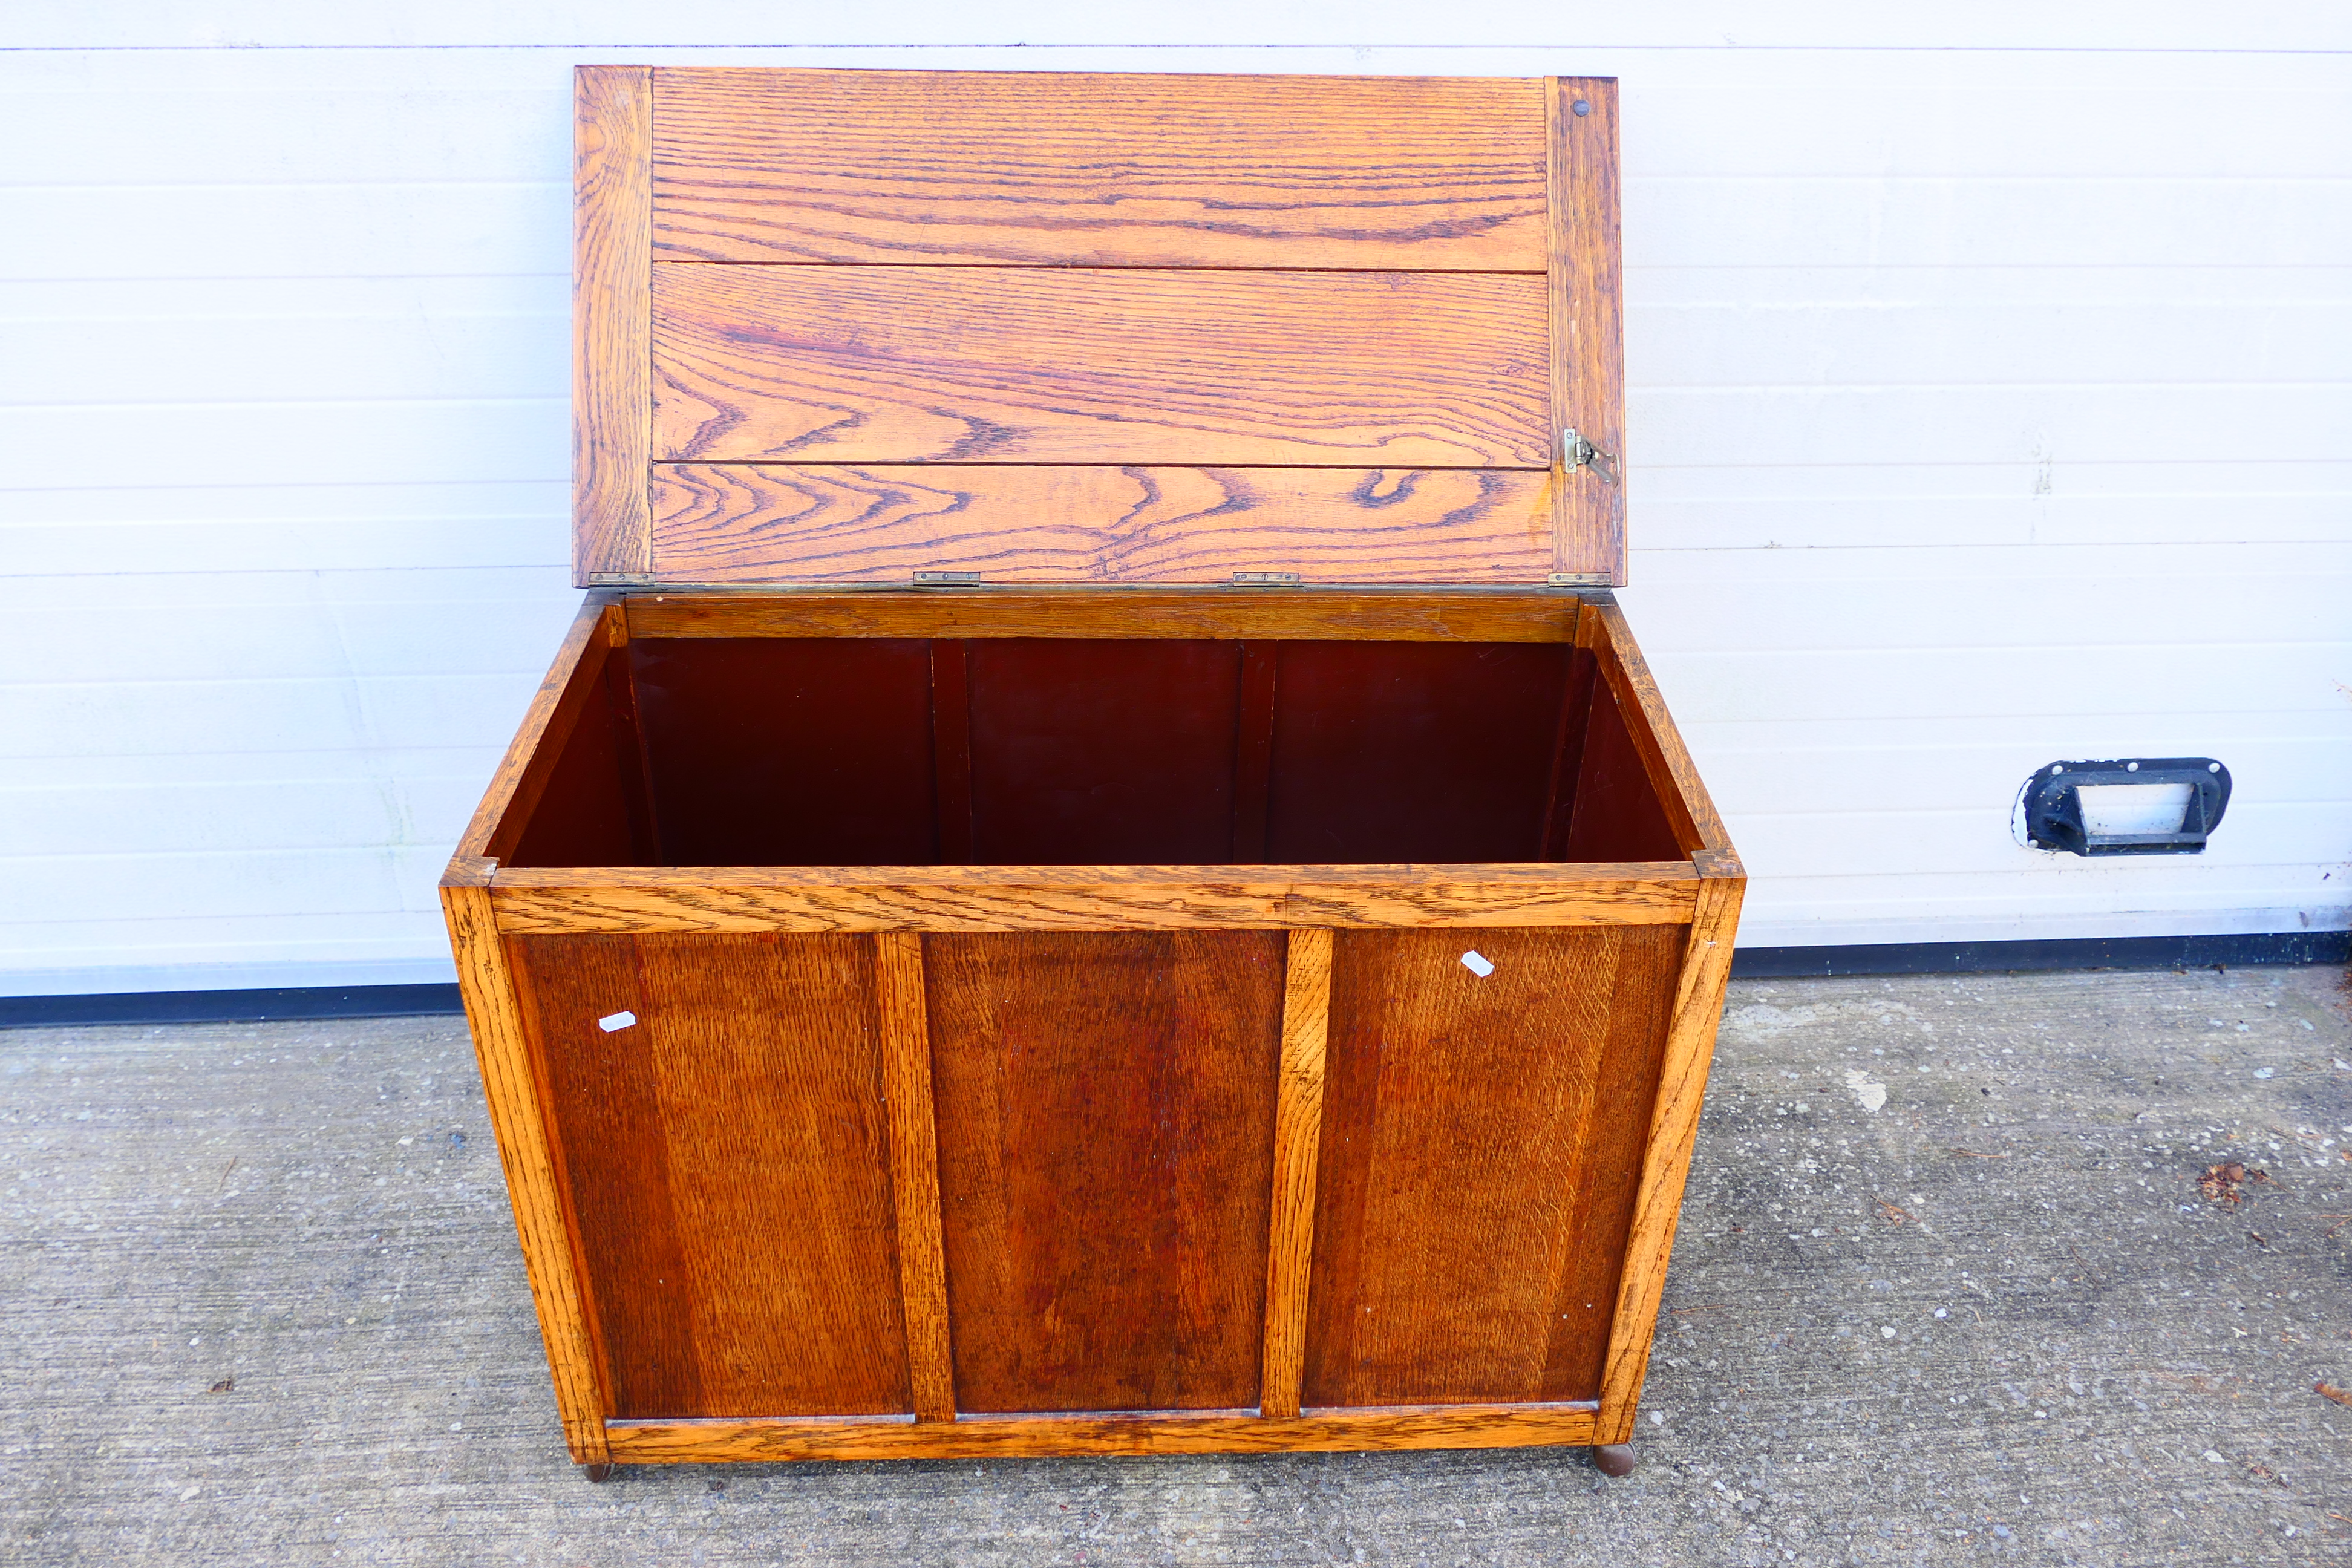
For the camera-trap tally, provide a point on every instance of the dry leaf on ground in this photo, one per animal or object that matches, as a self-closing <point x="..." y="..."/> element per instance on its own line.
<point x="2224" y="1184"/>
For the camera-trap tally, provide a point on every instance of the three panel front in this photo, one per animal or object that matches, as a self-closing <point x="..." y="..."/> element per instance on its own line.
<point x="1106" y="1110"/>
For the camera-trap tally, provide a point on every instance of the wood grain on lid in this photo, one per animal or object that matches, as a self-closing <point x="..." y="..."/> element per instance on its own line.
<point x="902" y="364"/>
<point x="856" y="270"/>
<point x="612" y="270"/>
<point x="1093" y="170"/>
<point x="744" y="522"/>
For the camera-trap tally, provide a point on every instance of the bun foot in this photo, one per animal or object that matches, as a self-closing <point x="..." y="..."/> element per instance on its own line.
<point x="1613" y="1458"/>
<point x="604" y="1472"/>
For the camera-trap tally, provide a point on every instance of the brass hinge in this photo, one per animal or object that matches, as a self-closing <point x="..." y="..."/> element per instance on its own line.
<point x="1579" y="453"/>
<point x="1265" y="579"/>
<point x="947" y="579"/>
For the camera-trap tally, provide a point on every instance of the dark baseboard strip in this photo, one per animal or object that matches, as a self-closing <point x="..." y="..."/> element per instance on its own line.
<point x="2232" y="951"/>
<point x="1749" y="963"/>
<point x="230" y="1007"/>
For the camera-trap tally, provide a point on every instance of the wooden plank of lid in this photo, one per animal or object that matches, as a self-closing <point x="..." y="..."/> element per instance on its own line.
<point x="927" y="365"/>
<point x="1078" y="526"/>
<point x="1098" y="170"/>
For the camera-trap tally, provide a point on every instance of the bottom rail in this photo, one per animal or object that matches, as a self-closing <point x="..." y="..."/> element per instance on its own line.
<point x="1119" y="1432"/>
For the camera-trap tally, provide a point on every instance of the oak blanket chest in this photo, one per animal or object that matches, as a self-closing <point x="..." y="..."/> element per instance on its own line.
<point x="1099" y="871"/>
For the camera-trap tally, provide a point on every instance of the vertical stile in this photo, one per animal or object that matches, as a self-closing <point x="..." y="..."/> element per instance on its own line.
<point x="637" y="761"/>
<point x="1254" y="752"/>
<point x="612" y="322"/>
<point x="914" y="1171"/>
<point x="951" y="748"/>
<point x="1567" y="761"/>
<point x="1588" y="360"/>
<point x="1674" y="1126"/>
<point x="1298" y="1138"/>
<point x="518" y="1120"/>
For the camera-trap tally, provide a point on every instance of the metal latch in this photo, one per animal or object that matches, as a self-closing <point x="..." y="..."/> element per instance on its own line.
<point x="1265" y="579"/>
<point x="947" y="579"/>
<point x="1579" y="453"/>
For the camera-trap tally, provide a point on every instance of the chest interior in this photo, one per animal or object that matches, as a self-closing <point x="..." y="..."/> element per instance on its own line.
<point x="918" y="750"/>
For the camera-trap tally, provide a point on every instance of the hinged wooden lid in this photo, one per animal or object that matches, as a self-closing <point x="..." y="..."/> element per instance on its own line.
<point x="876" y="327"/>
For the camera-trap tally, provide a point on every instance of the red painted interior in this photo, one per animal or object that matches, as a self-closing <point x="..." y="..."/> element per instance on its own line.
<point x="898" y="752"/>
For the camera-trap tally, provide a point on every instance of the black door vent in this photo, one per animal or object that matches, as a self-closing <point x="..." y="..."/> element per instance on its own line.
<point x="2136" y="805"/>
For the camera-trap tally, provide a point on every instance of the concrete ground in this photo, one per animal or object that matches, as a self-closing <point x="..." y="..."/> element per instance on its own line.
<point x="1948" y="1290"/>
